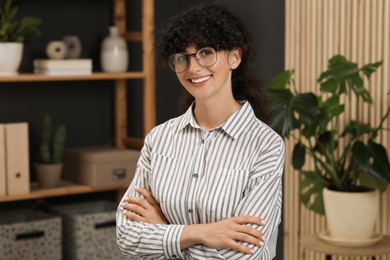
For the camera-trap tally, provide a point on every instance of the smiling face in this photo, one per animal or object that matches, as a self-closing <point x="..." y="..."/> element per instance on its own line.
<point x="210" y="83"/>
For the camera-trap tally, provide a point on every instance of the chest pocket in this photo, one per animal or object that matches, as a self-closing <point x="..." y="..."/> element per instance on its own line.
<point x="226" y="190"/>
<point x="162" y="175"/>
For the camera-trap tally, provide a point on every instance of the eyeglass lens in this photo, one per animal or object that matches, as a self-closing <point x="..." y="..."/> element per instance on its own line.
<point x="206" y="57"/>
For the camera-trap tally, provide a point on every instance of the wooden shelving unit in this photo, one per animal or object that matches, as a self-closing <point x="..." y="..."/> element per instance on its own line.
<point x="65" y="188"/>
<point x="94" y="76"/>
<point x="146" y="37"/>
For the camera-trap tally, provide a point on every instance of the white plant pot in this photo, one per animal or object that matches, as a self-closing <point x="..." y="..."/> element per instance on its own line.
<point x="10" y="57"/>
<point x="351" y="215"/>
<point x="48" y="175"/>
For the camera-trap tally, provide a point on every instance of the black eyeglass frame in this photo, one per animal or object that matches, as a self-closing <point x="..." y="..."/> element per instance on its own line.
<point x="188" y="56"/>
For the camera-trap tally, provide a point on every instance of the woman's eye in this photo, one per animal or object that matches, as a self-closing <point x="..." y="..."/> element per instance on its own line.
<point x="205" y="52"/>
<point x="181" y="58"/>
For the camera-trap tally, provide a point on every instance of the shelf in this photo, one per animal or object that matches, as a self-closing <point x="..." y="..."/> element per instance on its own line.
<point x="314" y="243"/>
<point x="65" y="188"/>
<point x="94" y="76"/>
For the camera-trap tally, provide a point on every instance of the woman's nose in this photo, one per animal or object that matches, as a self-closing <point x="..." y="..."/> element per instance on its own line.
<point x="193" y="64"/>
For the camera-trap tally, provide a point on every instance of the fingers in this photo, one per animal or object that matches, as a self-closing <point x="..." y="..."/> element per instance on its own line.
<point x="241" y="248"/>
<point x="138" y="201"/>
<point x="147" y="194"/>
<point x="133" y="216"/>
<point x="135" y="208"/>
<point x="248" y="220"/>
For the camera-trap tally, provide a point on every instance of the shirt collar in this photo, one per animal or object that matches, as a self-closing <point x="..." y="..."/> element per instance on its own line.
<point x="233" y="126"/>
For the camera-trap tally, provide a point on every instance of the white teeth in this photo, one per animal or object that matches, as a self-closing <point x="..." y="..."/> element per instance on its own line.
<point x="199" y="80"/>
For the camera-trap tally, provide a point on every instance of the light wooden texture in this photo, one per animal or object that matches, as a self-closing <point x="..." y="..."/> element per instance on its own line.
<point x="148" y="65"/>
<point x="314" y="243"/>
<point x="65" y="188"/>
<point x="93" y="76"/>
<point x="146" y="36"/>
<point x="314" y="32"/>
<point x="17" y="158"/>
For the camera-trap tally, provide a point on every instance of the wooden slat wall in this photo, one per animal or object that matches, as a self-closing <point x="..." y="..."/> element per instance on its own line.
<point x="315" y="31"/>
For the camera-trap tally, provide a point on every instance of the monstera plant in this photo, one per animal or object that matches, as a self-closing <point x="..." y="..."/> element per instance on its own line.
<point x="328" y="151"/>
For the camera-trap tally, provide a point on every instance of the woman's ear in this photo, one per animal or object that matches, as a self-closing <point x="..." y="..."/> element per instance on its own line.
<point x="235" y="58"/>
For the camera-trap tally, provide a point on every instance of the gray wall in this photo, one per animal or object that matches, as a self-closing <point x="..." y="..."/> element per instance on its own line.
<point x="87" y="107"/>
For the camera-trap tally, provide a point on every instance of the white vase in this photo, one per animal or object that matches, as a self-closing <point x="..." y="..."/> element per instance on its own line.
<point x="48" y="175"/>
<point x="114" y="54"/>
<point x="10" y="57"/>
<point x="351" y="215"/>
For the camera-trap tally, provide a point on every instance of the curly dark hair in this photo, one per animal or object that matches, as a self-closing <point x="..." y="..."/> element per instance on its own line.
<point x="215" y="26"/>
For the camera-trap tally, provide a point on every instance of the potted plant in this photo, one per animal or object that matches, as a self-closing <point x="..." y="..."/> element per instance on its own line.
<point x="49" y="162"/>
<point x="335" y="157"/>
<point x="13" y="33"/>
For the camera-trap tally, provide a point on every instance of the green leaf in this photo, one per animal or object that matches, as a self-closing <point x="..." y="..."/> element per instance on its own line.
<point x="306" y="105"/>
<point x="281" y="80"/>
<point x="368" y="69"/>
<point x="282" y="117"/>
<point x="381" y="159"/>
<point x="311" y="191"/>
<point x="362" y="155"/>
<point x="298" y="156"/>
<point x="367" y="180"/>
<point x="356" y="128"/>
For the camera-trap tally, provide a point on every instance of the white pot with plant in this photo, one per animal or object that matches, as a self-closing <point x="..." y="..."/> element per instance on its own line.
<point x="49" y="162"/>
<point x="13" y="34"/>
<point x="343" y="167"/>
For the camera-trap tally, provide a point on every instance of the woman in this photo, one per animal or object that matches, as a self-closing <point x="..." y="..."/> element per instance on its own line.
<point x="208" y="183"/>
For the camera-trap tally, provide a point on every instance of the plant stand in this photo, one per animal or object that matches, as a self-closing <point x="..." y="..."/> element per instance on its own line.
<point x="315" y="244"/>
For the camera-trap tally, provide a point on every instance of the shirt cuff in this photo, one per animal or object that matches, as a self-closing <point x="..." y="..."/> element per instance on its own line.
<point x="171" y="242"/>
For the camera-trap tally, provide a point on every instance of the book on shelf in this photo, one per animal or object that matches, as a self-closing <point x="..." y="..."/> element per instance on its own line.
<point x="63" y="71"/>
<point x="63" y="67"/>
<point x="17" y="158"/>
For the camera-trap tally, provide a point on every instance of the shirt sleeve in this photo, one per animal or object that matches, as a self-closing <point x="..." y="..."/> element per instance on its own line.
<point x="144" y="240"/>
<point x="263" y="198"/>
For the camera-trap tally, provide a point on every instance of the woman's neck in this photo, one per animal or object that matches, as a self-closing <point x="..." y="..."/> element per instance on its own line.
<point x="210" y="114"/>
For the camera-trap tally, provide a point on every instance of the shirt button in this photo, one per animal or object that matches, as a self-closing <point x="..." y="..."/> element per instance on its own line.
<point x="190" y="210"/>
<point x="195" y="175"/>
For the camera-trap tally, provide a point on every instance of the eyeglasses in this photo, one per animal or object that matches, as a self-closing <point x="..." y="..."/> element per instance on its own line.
<point x="205" y="57"/>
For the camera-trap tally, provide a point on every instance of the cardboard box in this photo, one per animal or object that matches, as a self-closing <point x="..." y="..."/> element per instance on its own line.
<point x="100" y="166"/>
<point x="89" y="230"/>
<point x="30" y="235"/>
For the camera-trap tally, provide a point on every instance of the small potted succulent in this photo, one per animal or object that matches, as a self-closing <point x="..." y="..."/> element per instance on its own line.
<point x="49" y="161"/>
<point x="14" y="32"/>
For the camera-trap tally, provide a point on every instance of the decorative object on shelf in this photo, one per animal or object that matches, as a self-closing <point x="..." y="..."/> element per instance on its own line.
<point x="343" y="160"/>
<point x="56" y="50"/>
<point x="114" y="54"/>
<point x="100" y="166"/>
<point x="49" y="163"/>
<point x="73" y="46"/>
<point x="17" y="158"/>
<point x="13" y="34"/>
<point x="63" y="67"/>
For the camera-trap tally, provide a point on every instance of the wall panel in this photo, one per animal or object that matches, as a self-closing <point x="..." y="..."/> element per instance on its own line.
<point x="315" y="31"/>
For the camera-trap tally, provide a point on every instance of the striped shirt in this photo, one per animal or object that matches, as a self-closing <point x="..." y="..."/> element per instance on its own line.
<point x="202" y="176"/>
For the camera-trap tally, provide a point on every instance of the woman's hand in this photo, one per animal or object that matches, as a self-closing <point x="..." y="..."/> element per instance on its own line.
<point x="146" y="210"/>
<point x="227" y="233"/>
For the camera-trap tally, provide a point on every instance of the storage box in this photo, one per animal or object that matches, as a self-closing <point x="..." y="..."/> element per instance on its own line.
<point x="100" y="166"/>
<point x="30" y="235"/>
<point x="89" y="230"/>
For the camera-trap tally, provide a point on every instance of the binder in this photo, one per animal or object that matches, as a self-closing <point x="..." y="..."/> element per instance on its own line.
<point x="3" y="180"/>
<point x="17" y="158"/>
